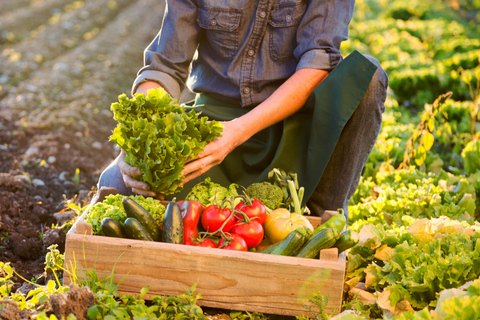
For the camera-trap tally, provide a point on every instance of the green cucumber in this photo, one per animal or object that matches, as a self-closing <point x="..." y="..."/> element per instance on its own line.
<point x="270" y="249"/>
<point x="324" y="239"/>
<point x="346" y="240"/>
<point x="336" y="222"/>
<point x="135" y="230"/>
<point x="135" y="210"/>
<point x="113" y="228"/>
<point x="172" y="227"/>
<point x="293" y="242"/>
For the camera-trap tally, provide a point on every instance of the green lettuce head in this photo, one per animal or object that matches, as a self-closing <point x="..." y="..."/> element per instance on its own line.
<point x="158" y="136"/>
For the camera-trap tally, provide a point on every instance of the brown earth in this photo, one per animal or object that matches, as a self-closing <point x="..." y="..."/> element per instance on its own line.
<point x="62" y="63"/>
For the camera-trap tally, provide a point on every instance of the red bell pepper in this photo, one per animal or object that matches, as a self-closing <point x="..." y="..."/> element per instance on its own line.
<point x="191" y="213"/>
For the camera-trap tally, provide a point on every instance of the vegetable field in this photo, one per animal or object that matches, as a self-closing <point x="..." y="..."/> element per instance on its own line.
<point x="416" y="211"/>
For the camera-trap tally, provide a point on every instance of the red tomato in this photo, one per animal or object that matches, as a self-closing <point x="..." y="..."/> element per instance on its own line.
<point x="255" y="210"/>
<point x="251" y="232"/>
<point x="213" y="218"/>
<point x="237" y="243"/>
<point x="207" y="243"/>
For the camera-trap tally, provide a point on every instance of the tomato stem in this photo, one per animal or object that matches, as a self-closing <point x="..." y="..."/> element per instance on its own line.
<point x="204" y="234"/>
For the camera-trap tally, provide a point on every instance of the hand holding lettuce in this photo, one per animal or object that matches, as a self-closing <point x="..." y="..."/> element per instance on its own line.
<point x="158" y="137"/>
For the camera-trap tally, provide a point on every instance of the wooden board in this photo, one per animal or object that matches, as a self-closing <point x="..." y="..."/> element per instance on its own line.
<point x="245" y="281"/>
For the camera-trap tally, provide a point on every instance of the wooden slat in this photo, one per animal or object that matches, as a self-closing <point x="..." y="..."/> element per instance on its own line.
<point x="245" y="280"/>
<point x="227" y="279"/>
<point x="330" y="254"/>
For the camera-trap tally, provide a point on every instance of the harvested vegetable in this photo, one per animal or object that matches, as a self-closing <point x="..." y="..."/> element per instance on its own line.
<point x="158" y="137"/>
<point x="292" y="192"/>
<point x="112" y="207"/>
<point x="191" y="213"/>
<point x="217" y="218"/>
<point x="209" y="192"/>
<point x="336" y="222"/>
<point x="251" y="231"/>
<point x="172" y="229"/>
<point x="323" y="239"/>
<point x="267" y="193"/>
<point x="134" y="210"/>
<point x="113" y="228"/>
<point x="292" y="242"/>
<point x="253" y="209"/>
<point x="135" y="230"/>
<point x="233" y="242"/>
<point x="281" y="222"/>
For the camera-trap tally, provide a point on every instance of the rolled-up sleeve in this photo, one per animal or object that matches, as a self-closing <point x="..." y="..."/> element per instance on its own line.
<point x="320" y="33"/>
<point x="168" y="57"/>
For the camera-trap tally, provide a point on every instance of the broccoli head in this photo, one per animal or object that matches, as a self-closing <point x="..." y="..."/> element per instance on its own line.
<point x="268" y="193"/>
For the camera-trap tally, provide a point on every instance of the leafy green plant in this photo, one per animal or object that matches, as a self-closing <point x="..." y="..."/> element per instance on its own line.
<point x="6" y="273"/>
<point x="245" y="315"/>
<point x="471" y="152"/>
<point x="158" y="137"/>
<point x="112" y="207"/>
<point x="54" y="261"/>
<point x="76" y="177"/>
<point x="422" y="139"/>
<point x="319" y="302"/>
<point x="417" y="272"/>
<point x="366" y="311"/>
<point x="108" y="304"/>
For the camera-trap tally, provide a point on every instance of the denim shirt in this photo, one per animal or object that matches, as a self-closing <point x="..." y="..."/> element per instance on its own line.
<point x="243" y="50"/>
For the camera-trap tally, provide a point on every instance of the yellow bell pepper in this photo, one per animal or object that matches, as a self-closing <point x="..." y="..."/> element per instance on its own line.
<point x="280" y="222"/>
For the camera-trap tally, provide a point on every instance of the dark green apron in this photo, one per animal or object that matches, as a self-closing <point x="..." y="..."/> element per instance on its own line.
<point x="302" y="143"/>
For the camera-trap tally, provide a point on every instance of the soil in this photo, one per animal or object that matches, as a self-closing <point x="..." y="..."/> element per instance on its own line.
<point x="62" y="64"/>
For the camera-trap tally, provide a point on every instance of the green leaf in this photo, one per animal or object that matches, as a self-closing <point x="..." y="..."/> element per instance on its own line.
<point x="143" y="291"/>
<point x="427" y="140"/>
<point x="420" y="155"/>
<point x="158" y="137"/>
<point x="431" y="124"/>
<point x="93" y="312"/>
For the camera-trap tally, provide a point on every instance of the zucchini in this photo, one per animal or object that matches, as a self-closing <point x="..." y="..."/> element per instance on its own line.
<point x="324" y="239"/>
<point x="293" y="242"/>
<point x="135" y="230"/>
<point x="346" y="240"/>
<point x="113" y="228"/>
<point x="270" y="249"/>
<point x="172" y="228"/>
<point x="134" y="210"/>
<point x="336" y="222"/>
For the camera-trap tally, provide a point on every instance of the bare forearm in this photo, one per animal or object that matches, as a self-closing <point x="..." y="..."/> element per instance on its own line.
<point x="145" y="86"/>
<point x="285" y="101"/>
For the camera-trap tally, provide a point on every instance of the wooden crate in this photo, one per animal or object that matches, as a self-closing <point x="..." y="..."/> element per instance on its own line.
<point x="245" y="281"/>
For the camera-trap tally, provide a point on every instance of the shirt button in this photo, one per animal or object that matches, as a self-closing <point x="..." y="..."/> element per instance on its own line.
<point x="213" y="22"/>
<point x="251" y="53"/>
<point x="288" y="18"/>
<point x="263" y="14"/>
<point x="246" y="90"/>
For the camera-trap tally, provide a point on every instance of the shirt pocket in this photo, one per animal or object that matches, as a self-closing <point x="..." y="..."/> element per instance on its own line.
<point x="221" y="29"/>
<point x="283" y="23"/>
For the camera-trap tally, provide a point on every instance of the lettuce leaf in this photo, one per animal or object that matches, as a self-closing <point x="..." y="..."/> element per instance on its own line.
<point x="208" y="192"/>
<point x="158" y="136"/>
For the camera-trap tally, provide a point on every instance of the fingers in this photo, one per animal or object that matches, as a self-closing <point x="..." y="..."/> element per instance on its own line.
<point x="138" y="187"/>
<point x="128" y="172"/>
<point x="198" y="167"/>
<point x="125" y="168"/>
